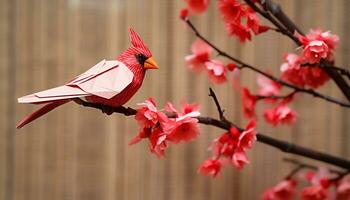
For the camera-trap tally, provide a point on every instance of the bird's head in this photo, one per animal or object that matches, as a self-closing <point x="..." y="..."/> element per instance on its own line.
<point x="138" y="55"/>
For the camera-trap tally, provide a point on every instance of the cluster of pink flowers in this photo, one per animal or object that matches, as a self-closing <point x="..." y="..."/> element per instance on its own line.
<point x="230" y="147"/>
<point x="234" y="13"/>
<point x="200" y="61"/>
<point x="161" y="130"/>
<point x="279" y="114"/>
<point x="303" y="70"/>
<point x="318" y="188"/>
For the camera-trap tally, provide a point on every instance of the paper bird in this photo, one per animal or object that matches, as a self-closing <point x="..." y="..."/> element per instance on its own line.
<point x="109" y="82"/>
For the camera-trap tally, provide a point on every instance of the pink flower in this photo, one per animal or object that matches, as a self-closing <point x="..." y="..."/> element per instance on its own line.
<point x="314" y="76"/>
<point x="216" y="71"/>
<point x="248" y="136"/>
<point x="253" y="23"/>
<point x="248" y="101"/>
<point x="343" y="190"/>
<point x="293" y="73"/>
<point x="268" y="87"/>
<point x="280" y="115"/>
<point x="210" y="167"/>
<point x="239" y="159"/>
<point x="269" y="194"/>
<point x="147" y="115"/>
<point x="183" y="13"/>
<point x="315" y="50"/>
<point x="330" y="39"/>
<point x="231" y="66"/>
<point x="285" y="190"/>
<point x="188" y="108"/>
<point x="239" y="30"/>
<point x="200" y="54"/>
<point x="182" y="129"/>
<point x="197" y="6"/>
<point x="291" y="70"/>
<point x="315" y="192"/>
<point x="226" y="144"/>
<point x="231" y="10"/>
<point x="158" y="142"/>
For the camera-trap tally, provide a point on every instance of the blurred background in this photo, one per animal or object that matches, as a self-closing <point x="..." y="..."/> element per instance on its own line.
<point x="80" y="153"/>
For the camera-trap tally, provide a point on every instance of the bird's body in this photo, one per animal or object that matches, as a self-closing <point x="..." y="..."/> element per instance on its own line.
<point x="111" y="83"/>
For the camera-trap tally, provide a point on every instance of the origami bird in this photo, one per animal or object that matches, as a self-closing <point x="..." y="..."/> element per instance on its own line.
<point x="109" y="82"/>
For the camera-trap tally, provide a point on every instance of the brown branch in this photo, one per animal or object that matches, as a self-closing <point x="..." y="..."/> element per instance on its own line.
<point x="261" y="97"/>
<point x="245" y="65"/>
<point x="279" y="144"/>
<point x="300" y="165"/>
<point x="284" y="23"/>
<point x="313" y="167"/>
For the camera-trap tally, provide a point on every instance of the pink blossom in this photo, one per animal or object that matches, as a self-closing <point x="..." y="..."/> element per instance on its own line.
<point x="183" y="13"/>
<point x="315" y="50"/>
<point x="200" y="54"/>
<point x="253" y="22"/>
<point x="330" y="39"/>
<point x="216" y="71"/>
<point x="210" y="167"/>
<point x="197" y="6"/>
<point x="269" y="194"/>
<point x="147" y="115"/>
<point x="248" y="136"/>
<point x="282" y="114"/>
<point x="189" y="108"/>
<point x="268" y="87"/>
<point x="248" y="101"/>
<point x="158" y="142"/>
<point x="239" y="159"/>
<point x="343" y="190"/>
<point x="315" y="192"/>
<point x="182" y="129"/>
<point x="239" y="30"/>
<point x="231" y="66"/>
<point x="293" y="73"/>
<point x="231" y="10"/>
<point x="284" y="190"/>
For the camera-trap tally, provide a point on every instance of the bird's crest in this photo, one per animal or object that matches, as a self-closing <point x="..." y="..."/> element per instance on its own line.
<point x="137" y="42"/>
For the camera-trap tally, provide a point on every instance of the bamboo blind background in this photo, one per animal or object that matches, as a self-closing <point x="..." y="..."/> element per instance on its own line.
<point x="77" y="153"/>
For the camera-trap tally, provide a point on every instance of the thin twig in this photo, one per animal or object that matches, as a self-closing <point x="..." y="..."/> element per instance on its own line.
<point x="245" y="65"/>
<point x="261" y="97"/>
<point x="279" y="144"/>
<point x="313" y="167"/>
<point x="217" y="104"/>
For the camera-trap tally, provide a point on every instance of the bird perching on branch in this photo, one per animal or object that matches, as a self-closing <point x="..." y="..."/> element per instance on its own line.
<point x="109" y="82"/>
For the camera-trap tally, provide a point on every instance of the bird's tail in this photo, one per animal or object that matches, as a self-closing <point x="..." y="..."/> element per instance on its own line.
<point x="43" y="110"/>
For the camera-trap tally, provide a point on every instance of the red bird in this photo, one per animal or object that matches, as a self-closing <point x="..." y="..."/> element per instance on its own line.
<point x="111" y="83"/>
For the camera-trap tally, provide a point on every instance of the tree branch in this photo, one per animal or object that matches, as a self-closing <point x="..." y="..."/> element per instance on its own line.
<point x="279" y="144"/>
<point x="245" y="65"/>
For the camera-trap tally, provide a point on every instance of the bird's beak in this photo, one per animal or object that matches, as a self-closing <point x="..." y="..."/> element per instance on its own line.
<point x="150" y="64"/>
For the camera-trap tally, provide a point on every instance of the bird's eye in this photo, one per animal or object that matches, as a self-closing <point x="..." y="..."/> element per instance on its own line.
<point x="141" y="58"/>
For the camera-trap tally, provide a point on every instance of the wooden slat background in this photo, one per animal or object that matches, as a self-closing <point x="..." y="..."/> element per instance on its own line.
<point x="76" y="153"/>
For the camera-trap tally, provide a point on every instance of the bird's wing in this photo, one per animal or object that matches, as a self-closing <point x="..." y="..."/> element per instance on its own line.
<point x="57" y="93"/>
<point x="108" y="81"/>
